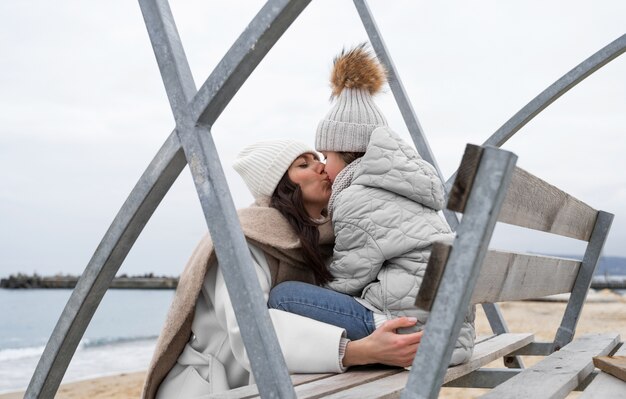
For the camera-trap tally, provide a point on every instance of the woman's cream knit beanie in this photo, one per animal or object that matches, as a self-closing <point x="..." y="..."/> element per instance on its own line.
<point x="263" y="164"/>
<point x="356" y="77"/>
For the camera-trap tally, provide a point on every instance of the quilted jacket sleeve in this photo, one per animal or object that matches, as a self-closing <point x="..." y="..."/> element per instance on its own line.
<point x="357" y="259"/>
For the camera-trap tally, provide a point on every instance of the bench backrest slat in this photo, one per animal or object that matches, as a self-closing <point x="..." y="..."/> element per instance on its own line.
<point x="504" y="276"/>
<point x="530" y="202"/>
<point x="509" y="276"/>
<point x="535" y="204"/>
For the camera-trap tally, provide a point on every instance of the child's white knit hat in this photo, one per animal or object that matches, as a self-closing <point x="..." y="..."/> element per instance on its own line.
<point x="263" y="164"/>
<point x="356" y="77"/>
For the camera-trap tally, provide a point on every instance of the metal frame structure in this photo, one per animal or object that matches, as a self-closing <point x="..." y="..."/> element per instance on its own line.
<point x="191" y="143"/>
<point x="459" y="278"/>
<point x="487" y="194"/>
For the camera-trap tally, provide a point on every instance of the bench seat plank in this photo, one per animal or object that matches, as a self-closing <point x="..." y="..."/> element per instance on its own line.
<point x="488" y="351"/>
<point x="250" y="391"/>
<point x="340" y="382"/>
<point x="561" y="372"/>
<point x="484" y="352"/>
<point x="605" y="385"/>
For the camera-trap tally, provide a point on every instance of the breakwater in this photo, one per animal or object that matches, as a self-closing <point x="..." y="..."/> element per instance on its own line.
<point x="610" y="282"/>
<point x="147" y="281"/>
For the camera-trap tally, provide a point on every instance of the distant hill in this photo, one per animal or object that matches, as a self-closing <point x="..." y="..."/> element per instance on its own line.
<point x="611" y="266"/>
<point x="147" y="281"/>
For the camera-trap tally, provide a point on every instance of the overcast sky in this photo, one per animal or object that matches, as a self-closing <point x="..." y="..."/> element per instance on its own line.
<point x="83" y="109"/>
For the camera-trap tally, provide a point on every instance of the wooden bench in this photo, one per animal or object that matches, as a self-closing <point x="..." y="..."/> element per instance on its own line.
<point x="489" y="188"/>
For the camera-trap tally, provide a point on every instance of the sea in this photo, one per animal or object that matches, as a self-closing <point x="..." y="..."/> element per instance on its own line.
<point x="120" y="337"/>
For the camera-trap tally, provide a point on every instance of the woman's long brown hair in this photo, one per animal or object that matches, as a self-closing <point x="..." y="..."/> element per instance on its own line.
<point x="287" y="199"/>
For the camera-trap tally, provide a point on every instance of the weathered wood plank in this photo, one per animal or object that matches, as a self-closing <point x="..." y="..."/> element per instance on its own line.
<point x="614" y="365"/>
<point x="558" y="374"/>
<point x="484" y="352"/>
<point x="535" y="204"/>
<point x="504" y="276"/>
<point x="488" y="351"/>
<point x="339" y="382"/>
<point x="508" y="276"/>
<point x="250" y="391"/>
<point x="388" y="387"/>
<point x="605" y="385"/>
<point x="465" y="178"/>
<point x="530" y="201"/>
<point x="434" y="270"/>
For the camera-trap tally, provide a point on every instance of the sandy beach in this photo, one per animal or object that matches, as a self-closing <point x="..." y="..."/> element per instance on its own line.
<point x="603" y="312"/>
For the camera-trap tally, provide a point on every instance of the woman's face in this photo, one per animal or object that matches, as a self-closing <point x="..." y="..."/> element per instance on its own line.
<point x="308" y="172"/>
<point x="334" y="164"/>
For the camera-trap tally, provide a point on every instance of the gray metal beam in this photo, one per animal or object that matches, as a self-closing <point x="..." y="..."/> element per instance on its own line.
<point x="104" y="264"/>
<point x="401" y="97"/>
<point x="262" y="347"/>
<point x="243" y="56"/>
<point x="556" y="90"/>
<point x="492" y="311"/>
<point x="498" y="326"/>
<point x="553" y="92"/>
<point x="566" y="330"/>
<point x="270" y="23"/>
<point x="459" y="278"/>
<point x="170" y="55"/>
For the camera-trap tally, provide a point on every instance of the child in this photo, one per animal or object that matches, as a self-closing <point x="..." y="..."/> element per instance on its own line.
<point x="384" y="203"/>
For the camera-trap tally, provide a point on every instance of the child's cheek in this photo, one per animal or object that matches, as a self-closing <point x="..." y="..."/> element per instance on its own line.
<point x="332" y="170"/>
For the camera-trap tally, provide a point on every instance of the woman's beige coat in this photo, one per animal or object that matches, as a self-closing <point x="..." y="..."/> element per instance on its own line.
<point x="268" y="231"/>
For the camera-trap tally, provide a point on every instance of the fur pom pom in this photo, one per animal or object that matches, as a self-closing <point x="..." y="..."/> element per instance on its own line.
<point x="357" y="68"/>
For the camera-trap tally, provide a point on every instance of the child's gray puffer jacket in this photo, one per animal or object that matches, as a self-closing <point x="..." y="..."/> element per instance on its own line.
<point x="385" y="223"/>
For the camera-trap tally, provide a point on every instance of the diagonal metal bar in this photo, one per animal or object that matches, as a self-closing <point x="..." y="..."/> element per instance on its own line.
<point x="243" y="56"/>
<point x="104" y="264"/>
<point x="525" y="115"/>
<point x="268" y="366"/>
<point x="552" y="93"/>
<point x="400" y="95"/>
<point x="397" y="88"/>
<point x="498" y="325"/>
<point x="459" y="278"/>
<point x="566" y="330"/>
<point x="262" y="347"/>
<point x="492" y="311"/>
<point x="170" y="55"/>
<point x="556" y="90"/>
<point x="132" y="217"/>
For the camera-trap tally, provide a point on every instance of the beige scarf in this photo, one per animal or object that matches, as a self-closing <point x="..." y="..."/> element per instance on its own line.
<point x="263" y="226"/>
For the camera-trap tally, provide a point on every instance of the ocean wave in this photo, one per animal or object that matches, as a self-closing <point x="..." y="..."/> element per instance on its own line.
<point x="20" y="353"/>
<point x="12" y="354"/>
<point x="103" y="341"/>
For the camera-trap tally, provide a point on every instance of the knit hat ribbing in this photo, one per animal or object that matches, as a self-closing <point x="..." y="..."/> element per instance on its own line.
<point x="357" y="76"/>
<point x="263" y="164"/>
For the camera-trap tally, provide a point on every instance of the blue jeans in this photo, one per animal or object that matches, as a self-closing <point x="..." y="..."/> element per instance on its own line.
<point x="324" y="305"/>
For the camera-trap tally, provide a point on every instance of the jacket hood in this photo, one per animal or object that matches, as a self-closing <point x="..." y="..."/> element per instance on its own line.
<point x="391" y="164"/>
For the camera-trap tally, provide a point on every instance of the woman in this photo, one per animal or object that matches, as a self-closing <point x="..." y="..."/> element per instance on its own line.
<point x="200" y="350"/>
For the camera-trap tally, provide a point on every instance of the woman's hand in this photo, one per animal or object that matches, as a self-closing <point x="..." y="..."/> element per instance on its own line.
<point x="385" y="346"/>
